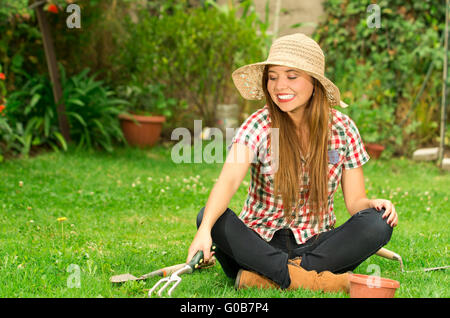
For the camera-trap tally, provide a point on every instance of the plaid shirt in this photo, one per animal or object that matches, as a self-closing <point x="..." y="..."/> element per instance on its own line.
<point x="262" y="212"/>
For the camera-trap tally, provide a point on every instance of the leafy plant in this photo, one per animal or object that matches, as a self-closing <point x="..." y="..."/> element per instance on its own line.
<point x="7" y="137"/>
<point x="92" y="110"/>
<point x="146" y="99"/>
<point x="20" y="44"/>
<point x="32" y="115"/>
<point x="193" y="52"/>
<point x="387" y="66"/>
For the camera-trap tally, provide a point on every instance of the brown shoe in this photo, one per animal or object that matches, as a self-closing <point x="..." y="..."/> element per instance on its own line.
<point x="325" y="281"/>
<point x="296" y="261"/>
<point x="300" y="278"/>
<point x="246" y="279"/>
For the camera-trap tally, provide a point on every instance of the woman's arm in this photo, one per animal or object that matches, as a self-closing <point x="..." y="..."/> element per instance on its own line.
<point x="355" y="196"/>
<point x="233" y="172"/>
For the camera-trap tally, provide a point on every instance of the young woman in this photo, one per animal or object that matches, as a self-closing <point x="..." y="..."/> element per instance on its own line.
<point x="285" y="235"/>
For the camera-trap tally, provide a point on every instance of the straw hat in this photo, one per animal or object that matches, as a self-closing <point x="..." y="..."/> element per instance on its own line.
<point x="295" y="50"/>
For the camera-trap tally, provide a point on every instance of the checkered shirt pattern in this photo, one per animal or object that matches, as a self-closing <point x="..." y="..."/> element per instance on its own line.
<point x="262" y="211"/>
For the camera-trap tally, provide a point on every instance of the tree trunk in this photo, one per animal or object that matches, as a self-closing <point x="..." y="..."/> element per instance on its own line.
<point x="53" y="71"/>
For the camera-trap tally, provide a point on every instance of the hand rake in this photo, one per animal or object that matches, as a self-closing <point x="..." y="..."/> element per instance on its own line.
<point x="175" y="278"/>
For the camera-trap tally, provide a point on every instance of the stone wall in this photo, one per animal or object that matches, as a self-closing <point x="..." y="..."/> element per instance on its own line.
<point x="285" y="13"/>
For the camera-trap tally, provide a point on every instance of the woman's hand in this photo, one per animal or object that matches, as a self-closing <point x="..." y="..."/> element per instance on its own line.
<point x="202" y="242"/>
<point x="390" y="213"/>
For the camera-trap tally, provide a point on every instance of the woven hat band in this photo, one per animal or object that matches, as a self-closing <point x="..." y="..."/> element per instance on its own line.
<point x="292" y="62"/>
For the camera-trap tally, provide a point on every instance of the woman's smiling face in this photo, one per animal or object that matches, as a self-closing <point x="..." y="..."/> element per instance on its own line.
<point x="289" y="87"/>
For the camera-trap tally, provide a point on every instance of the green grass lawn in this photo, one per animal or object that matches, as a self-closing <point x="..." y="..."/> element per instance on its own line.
<point x="134" y="211"/>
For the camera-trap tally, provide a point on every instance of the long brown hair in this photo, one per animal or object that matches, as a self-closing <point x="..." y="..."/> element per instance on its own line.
<point x="287" y="177"/>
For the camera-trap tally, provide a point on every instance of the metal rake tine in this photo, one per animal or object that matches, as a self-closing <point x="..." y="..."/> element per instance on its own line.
<point x="157" y="284"/>
<point x="177" y="280"/>
<point x="164" y="287"/>
<point x="188" y="268"/>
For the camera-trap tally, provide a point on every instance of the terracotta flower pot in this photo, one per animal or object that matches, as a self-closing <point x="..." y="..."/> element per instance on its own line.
<point x="374" y="150"/>
<point x="145" y="133"/>
<point x="364" y="286"/>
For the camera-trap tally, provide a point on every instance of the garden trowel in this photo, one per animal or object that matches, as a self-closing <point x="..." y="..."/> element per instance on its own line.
<point x="394" y="256"/>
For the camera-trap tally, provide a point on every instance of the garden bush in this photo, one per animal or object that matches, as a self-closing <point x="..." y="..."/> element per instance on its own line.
<point x="31" y="119"/>
<point x="193" y="52"/>
<point x="92" y="110"/>
<point x="202" y="41"/>
<point x="380" y="70"/>
<point x="31" y="116"/>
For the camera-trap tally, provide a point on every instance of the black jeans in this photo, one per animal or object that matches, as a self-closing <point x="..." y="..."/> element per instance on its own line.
<point x="338" y="250"/>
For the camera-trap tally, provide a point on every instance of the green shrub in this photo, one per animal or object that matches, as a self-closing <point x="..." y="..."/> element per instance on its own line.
<point x="146" y="99"/>
<point x="380" y="70"/>
<point x="32" y="117"/>
<point x="7" y="138"/>
<point x="193" y="52"/>
<point x="92" y="110"/>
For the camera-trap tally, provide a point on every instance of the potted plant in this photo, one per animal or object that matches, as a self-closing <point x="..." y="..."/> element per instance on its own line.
<point x="369" y="131"/>
<point x="372" y="138"/>
<point x="372" y="123"/>
<point x="146" y="111"/>
<point x="374" y="149"/>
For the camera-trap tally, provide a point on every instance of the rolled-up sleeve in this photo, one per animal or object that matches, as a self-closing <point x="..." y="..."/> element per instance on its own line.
<point x="252" y="133"/>
<point x="356" y="154"/>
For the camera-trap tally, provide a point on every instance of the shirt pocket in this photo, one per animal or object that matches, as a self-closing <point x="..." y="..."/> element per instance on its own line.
<point x="335" y="159"/>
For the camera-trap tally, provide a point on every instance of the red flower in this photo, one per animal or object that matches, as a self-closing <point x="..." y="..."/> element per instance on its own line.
<point x="52" y="8"/>
<point x="2" y="76"/>
<point x="2" y="107"/>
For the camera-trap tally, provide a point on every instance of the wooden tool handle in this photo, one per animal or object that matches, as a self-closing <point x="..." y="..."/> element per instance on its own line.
<point x="166" y="271"/>
<point x="383" y="252"/>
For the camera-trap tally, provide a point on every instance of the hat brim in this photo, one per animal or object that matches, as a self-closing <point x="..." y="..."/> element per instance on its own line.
<point x="248" y="78"/>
